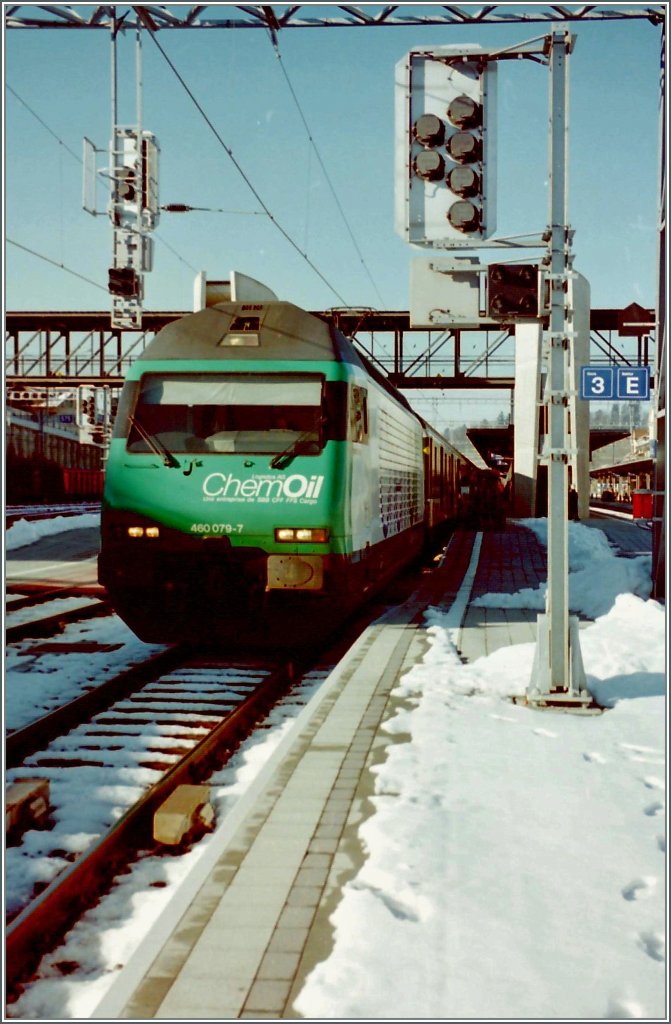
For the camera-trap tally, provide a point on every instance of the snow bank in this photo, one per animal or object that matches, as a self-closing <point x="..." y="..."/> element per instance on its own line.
<point x="515" y="858"/>
<point x="25" y="532"/>
<point x="596" y="575"/>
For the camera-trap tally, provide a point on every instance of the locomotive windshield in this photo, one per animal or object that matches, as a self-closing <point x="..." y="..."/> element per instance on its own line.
<point x="228" y="413"/>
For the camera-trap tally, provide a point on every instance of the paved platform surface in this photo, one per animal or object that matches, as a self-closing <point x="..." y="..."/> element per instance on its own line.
<point x="240" y="938"/>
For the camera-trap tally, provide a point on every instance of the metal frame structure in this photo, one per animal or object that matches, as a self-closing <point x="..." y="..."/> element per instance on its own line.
<point x="558" y="677"/>
<point x="71" y="349"/>
<point x="274" y="18"/>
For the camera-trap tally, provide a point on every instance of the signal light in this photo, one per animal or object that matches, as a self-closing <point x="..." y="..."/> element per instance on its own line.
<point x="89" y="409"/>
<point x="429" y="165"/>
<point x="445" y="123"/>
<point x="123" y="281"/>
<point x="463" y="181"/>
<point x="464" y="112"/>
<point x="464" y="147"/>
<point x="513" y="290"/>
<point x="464" y="216"/>
<point x="125" y="186"/>
<point x="429" y="130"/>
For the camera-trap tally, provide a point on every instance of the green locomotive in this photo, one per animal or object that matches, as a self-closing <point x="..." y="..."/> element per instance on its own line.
<point x="263" y="479"/>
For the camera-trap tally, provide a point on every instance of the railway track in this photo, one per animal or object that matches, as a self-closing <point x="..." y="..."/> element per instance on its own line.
<point x="29" y="595"/>
<point x="64" y="605"/>
<point x="186" y="718"/>
<point x="168" y="721"/>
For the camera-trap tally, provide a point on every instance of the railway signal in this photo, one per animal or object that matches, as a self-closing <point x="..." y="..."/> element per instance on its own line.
<point x="124" y="281"/>
<point x="89" y="410"/>
<point x="513" y="290"/>
<point x="445" y="114"/>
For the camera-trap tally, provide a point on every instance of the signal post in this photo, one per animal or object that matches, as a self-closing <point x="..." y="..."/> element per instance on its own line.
<point x="558" y="676"/>
<point x="445" y="200"/>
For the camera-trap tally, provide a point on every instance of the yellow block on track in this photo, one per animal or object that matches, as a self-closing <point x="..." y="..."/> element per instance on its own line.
<point x="186" y="808"/>
<point x="26" y="803"/>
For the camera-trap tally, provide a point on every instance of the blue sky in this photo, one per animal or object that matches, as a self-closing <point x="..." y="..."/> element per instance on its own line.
<point x="344" y="79"/>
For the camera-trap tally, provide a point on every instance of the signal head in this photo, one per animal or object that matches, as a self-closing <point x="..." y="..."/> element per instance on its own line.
<point x="445" y="146"/>
<point x="513" y="290"/>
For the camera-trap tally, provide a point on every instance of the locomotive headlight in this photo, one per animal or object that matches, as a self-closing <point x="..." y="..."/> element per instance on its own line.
<point x="304" y="535"/>
<point x="142" y="531"/>
<point x="314" y="536"/>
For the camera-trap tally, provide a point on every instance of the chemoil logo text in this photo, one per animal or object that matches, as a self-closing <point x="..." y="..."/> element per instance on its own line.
<point x="296" y="487"/>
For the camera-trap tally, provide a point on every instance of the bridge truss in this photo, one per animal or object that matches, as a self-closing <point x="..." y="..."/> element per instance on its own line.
<point x="83" y="349"/>
<point x="278" y="17"/>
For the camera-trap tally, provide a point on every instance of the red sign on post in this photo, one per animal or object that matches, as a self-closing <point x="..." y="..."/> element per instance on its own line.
<point x="635" y="321"/>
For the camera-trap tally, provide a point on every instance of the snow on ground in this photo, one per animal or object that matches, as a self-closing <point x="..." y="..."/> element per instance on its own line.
<point x="596" y="574"/>
<point x="37" y="683"/>
<point x="514" y="860"/>
<point x="33" y="613"/>
<point x="26" y="532"/>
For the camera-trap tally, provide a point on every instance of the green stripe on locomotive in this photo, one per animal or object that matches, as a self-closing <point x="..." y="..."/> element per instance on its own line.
<point x="237" y="495"/>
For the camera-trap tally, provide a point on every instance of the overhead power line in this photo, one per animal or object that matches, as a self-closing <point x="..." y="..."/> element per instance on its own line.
<point x="162" y="240"/>
<point x="61" y="266"/>
<point x="44" y="124"/>
<point x="185" y="208"/>
<point x="312" y="142"/>
<point x="80" y="161"/>
<point x="283" y="231"/>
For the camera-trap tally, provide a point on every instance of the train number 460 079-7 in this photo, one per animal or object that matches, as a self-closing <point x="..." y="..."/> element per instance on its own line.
<point x="216" y="528"/>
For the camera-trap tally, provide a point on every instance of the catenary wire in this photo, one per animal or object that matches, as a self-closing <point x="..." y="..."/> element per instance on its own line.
<point x="80" y="161"/>
<point x="283" y="231"/>
<point x="54" y="263"/>
<point x="44" y="124"/>
<point x="324" y="170"/>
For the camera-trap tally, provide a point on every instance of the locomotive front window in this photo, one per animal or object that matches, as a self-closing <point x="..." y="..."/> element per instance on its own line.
<point x="229" y="413"/>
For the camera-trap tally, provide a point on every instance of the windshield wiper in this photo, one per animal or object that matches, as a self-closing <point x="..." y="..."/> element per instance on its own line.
<point x="155" y="444"/>
<point x="283" y="459"/>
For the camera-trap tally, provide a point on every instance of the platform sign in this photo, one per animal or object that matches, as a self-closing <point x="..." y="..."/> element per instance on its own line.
<point x="631" y="383"/>
<point x="597" y="382"/>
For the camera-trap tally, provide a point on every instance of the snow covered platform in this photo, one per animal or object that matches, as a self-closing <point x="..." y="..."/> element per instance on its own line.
<point x="414" y="819"/>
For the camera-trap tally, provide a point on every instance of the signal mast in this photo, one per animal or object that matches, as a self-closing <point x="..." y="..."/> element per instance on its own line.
<point x="133" y="205"/>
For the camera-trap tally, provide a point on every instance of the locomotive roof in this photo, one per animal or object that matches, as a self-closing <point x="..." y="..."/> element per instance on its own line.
<point x="251" y="331"/>
<point x="271" y="330"/>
